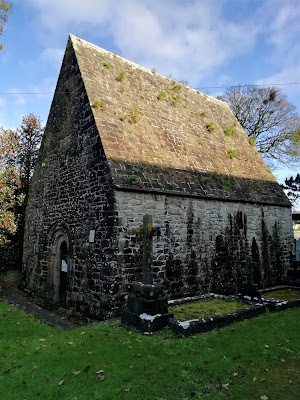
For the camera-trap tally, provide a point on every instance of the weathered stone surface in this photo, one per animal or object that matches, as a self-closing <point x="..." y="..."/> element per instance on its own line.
<point x="204" y="244"/>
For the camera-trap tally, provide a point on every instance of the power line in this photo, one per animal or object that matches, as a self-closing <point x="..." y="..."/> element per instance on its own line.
<point x="250" y="84"/>
<point x="197" y="88"/>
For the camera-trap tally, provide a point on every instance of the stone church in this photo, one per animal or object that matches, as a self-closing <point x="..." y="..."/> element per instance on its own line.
<point x="121" y="143"/>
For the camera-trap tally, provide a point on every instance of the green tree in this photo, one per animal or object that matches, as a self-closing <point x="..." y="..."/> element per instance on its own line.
<point x="18" y="152"/>
<point x="269" y="120"/>
<point x="5" y="9"/>
<point x="30" y="136"/>
<point x="9" y="184"/>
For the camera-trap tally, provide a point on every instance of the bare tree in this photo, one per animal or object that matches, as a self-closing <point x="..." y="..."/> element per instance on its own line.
<point x="269" y="119"/>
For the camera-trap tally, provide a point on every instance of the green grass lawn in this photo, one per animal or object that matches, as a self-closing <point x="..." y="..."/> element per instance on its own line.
<point x="247" y="360"/>
<point x="206" y="308"/>
<point x="285" y="294"/>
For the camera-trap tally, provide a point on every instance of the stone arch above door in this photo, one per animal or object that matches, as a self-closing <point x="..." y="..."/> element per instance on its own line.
<point x="58" y="237"/>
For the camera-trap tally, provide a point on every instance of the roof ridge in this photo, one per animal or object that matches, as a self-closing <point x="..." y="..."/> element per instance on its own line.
<point x="74" y="39"/>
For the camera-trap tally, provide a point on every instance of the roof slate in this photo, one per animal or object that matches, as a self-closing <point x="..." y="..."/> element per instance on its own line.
<point x="161" y="136"/>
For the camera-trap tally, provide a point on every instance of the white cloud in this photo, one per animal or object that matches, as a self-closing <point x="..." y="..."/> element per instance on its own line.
<point x="282" y="31"/>
<point x="188" y="39"/>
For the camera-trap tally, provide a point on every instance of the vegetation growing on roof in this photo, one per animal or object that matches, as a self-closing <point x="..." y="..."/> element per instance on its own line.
<point x="206" y="179"/>
<point x="135" y="170"/>
<point x="229" y="131"/>
<point x="252" y="141"/>
<point x="105" y="65"/>
<point x="161" y="95"/>
<point x="134" y="116"/>
<point x="232" y="153"/>
<point x="134" y="179"/>
<point x="227" y="183"/>
<point x="99" y="104"/>
<point x="121" y="76"/>
<point x="255" y="187"/>
<point x="210" y="126"/>
<point x="176" y="86"/>
<point x="174" y="97"/>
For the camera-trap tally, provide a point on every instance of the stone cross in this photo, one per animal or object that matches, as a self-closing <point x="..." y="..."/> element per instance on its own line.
<point x="146" y="233"/>
<point x="250" y="267"/>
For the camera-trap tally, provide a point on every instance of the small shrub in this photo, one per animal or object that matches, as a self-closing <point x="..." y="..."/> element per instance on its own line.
<point x="99" y="104"/>
<point x="134" y="179"/>
<point x="235" y="123"/>
<point x="229" y="131"/>
<point x="174" y="185"/>
<point x="200" y="142"/>
<point x="197" y="91"/>
<point x="227" y="184"/>
<point x="232" y="153"/>
<point x="130" y="131"/>
<point x="255" y="187"/>
<point x="44" y="164"/>
<point x="176" y="86"/>
<point x="211" y="126"/>
<point x="215" y="175"/>
<point x="135" y="170"/>
<point x="205" y="180"/>
<point x="202" y="114"/>
<point x="153" y="70"/>
<point x="183" y="105"/>
<point x="105" y="65"/>
<point x="161" y="95"/>
<point x="174" y="97"/>
<point x="252" y="141"/>
<point x="121" y="76"/>
<point x="134" y="116"/>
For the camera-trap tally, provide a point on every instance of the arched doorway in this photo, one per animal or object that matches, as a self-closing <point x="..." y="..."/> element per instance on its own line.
<point x="59" y="263"/>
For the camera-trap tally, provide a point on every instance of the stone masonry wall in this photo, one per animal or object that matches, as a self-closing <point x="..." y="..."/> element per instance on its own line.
<point x="204" y="244"/>
<point x="70" y="195"/>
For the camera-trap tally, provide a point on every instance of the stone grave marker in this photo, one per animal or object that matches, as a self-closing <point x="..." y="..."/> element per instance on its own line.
<point x="147" y="307"/>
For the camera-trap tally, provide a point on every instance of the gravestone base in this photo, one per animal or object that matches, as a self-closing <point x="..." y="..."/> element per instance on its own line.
<point x="147" y="308"/>
<point x="251" y="290"/>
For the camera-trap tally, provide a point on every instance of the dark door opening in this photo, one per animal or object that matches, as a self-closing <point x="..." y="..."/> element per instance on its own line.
<point x="63" y="274"/>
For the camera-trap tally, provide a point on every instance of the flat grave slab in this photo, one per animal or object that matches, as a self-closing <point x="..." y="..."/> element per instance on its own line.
<point x="237" y="311"/>
<point x="281" y="297"/>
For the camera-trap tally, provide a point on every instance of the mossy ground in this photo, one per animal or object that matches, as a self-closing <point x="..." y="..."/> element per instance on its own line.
<point x="205" y="308"/>
<point x="286" y="294"/>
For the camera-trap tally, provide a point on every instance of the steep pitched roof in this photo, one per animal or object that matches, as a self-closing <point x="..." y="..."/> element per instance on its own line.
<point x="161" y="136"/>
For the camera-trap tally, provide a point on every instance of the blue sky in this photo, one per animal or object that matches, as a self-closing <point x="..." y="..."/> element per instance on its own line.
<point x="208" y="43"/>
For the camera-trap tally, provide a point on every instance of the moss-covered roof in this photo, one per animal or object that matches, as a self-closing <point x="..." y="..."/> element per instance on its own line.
<point x="159" y="135"/>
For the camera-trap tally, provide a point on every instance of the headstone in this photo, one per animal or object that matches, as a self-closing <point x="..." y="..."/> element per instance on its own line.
<point x="250" y="288"/>
<point x="147" y="307"/>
